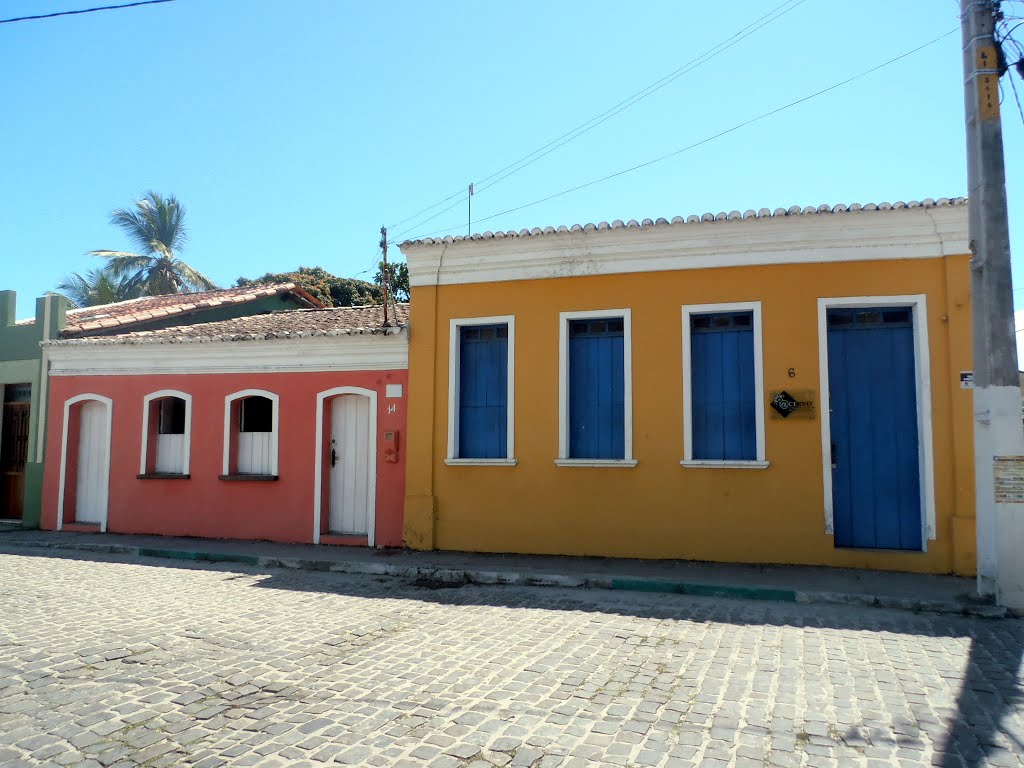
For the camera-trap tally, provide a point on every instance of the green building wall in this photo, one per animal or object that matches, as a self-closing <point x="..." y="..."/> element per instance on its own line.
<point x="21" y="362"/>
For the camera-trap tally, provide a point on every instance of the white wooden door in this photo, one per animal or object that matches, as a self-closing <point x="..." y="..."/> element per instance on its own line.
<point x="351" y="466"/>
<point x="92" y="466"/>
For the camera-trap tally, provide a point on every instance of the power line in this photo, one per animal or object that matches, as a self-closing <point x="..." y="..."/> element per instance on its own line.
<point x="84" y="10"/>
<point x="718" y="135"/>
<point x="623" y="105"/>
<point x="639" y="96"/>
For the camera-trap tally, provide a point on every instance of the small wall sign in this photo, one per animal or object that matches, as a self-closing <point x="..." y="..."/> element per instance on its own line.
<point x="792" y="404"/>
<point x="966" y="379"/>
<point x="1008" y="473"/>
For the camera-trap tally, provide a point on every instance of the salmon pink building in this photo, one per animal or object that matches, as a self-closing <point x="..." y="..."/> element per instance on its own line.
<point x="285" y="426"/>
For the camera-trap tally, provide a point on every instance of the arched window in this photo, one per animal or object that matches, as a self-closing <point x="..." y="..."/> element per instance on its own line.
<point x="250" y="435"/>
<point x="166" y="435"/>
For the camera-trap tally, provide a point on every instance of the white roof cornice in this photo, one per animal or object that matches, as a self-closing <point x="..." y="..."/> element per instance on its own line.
<point x="929" y="229"/>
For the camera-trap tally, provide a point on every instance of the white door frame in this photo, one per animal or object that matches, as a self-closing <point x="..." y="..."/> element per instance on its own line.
<point x="923" y="376"/>
<point x="318" y="463"/>
<point x="109" y="407"/>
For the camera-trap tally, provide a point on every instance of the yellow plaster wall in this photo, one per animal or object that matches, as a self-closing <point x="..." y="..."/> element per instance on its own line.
<point x="659" y="509"/>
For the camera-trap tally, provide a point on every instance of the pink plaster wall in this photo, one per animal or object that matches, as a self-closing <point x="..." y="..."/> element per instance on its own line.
<point x="204" y="505"/>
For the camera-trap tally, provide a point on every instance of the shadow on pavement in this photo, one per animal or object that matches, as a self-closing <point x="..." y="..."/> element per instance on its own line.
<point x="987" y="713"/>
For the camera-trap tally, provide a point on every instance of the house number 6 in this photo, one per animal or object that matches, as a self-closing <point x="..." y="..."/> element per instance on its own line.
<point x="792" y="373"/>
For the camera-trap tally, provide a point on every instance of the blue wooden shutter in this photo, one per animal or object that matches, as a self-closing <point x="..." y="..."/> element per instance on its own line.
<point x="723" y="400"/>
<point x="597" y="388"/>
<point x="483" y="392"/>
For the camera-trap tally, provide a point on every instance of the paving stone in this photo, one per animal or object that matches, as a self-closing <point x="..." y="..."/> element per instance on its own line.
<point x="120" y="663"/>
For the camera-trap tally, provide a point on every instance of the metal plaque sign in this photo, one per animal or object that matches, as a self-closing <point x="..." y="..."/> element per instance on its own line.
<point x="1009" y="479"/>
<point x="966" y="379"/>
<point x="792" y="404"/>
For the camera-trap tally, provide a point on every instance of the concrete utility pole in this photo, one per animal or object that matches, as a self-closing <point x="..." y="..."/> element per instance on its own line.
<point x="384" y="271"/>
<point x="998" y="433"/>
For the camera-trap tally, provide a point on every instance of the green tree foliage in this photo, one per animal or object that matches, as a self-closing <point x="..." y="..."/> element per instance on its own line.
<point x="97" y="286"/>
<point x="332" y="290"/>
<point x="156" y="227"/>
<point x="398" y="279"/>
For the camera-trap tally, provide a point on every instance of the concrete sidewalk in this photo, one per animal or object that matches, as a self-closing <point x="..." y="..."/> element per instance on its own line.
<point x="802" y="584"/>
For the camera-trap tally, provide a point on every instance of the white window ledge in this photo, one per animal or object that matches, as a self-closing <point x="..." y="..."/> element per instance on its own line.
<point x="710" y="464"/>
<point x="596" y="462"/>
<point x="481" y="462"/>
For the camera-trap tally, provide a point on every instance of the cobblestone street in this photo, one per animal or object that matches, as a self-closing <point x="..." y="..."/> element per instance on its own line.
<point x="111" y="662"/>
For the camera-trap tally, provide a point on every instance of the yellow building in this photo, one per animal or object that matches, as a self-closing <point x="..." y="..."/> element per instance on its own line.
<point x="767" y="387"/>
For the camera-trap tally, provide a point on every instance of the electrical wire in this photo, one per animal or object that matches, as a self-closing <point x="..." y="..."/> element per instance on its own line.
<point x="1016" y="97"/>
<point x="718" y="135"/>
<point x="84" y="10"/>
<point x="642" y="94"/>
<point x="595" y="121"/>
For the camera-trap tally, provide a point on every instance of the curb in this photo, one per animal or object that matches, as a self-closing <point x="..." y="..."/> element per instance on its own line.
<point x="456" y="577"/>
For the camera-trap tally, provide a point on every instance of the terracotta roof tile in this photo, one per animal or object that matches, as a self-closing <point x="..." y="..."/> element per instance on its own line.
<point x="139" y="310"/>
<point x="764" y="213"/>
<point x="293" y="324"/>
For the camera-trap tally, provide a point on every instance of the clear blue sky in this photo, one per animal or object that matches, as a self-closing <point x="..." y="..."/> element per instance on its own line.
<point x="293" y="130"/>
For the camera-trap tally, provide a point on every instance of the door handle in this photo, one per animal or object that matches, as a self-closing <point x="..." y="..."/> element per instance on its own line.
<point x="334" y="458"/>
<point x="833" y="456"/>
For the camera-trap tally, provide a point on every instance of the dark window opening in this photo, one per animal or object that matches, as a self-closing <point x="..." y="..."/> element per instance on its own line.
<point x="257" y="415"/>
<point x="171" y="416"/>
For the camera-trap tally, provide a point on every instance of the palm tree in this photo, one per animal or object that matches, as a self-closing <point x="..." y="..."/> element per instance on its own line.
<point x="156" y="226"/>
<point x="98" y="286"/>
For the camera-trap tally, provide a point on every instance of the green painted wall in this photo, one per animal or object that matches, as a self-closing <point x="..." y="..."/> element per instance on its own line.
<point x="21" y="363"/>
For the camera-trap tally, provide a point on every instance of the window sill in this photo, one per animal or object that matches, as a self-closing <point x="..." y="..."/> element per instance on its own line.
<point x="163" y="476"/>
<point x="710" y="464"/>
<point x="481" y="462"/>
<point x="253" y="478"/>
<point x="618" y="463"/>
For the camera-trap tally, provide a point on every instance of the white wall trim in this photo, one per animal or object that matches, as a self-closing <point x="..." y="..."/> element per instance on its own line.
<point x="454" y="375"/>
<point x="613" y="463"/>
<point x="368" y="352"/>
<point x="563" y="382"/>
<point x="911" y="233"/>
<point x="230" y="437"/>
<point x="481" y="462"/>
<point x="318" y="461"/>
<point x="109" y="407"/>
<point x="145" y="426"/>
<point x="44" y="364"/>
<point x="703" y="309"/>
<point x="923" y="375"/>
<point x="730" y="464"/>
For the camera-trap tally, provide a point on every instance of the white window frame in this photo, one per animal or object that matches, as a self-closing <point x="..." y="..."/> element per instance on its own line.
<point x="923" y="377"/>
<point x="454" y="375"/>
<point x="761" y="462"/>
<point x="147" y="401"/>
<point x="230" y="436"/>
<point x="564" y="460"/>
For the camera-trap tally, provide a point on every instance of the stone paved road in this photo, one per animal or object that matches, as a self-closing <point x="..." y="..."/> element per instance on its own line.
<point x="117" y="663"/>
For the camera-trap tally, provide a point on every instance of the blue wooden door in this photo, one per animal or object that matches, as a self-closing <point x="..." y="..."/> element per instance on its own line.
<point x="876" y="486"/>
